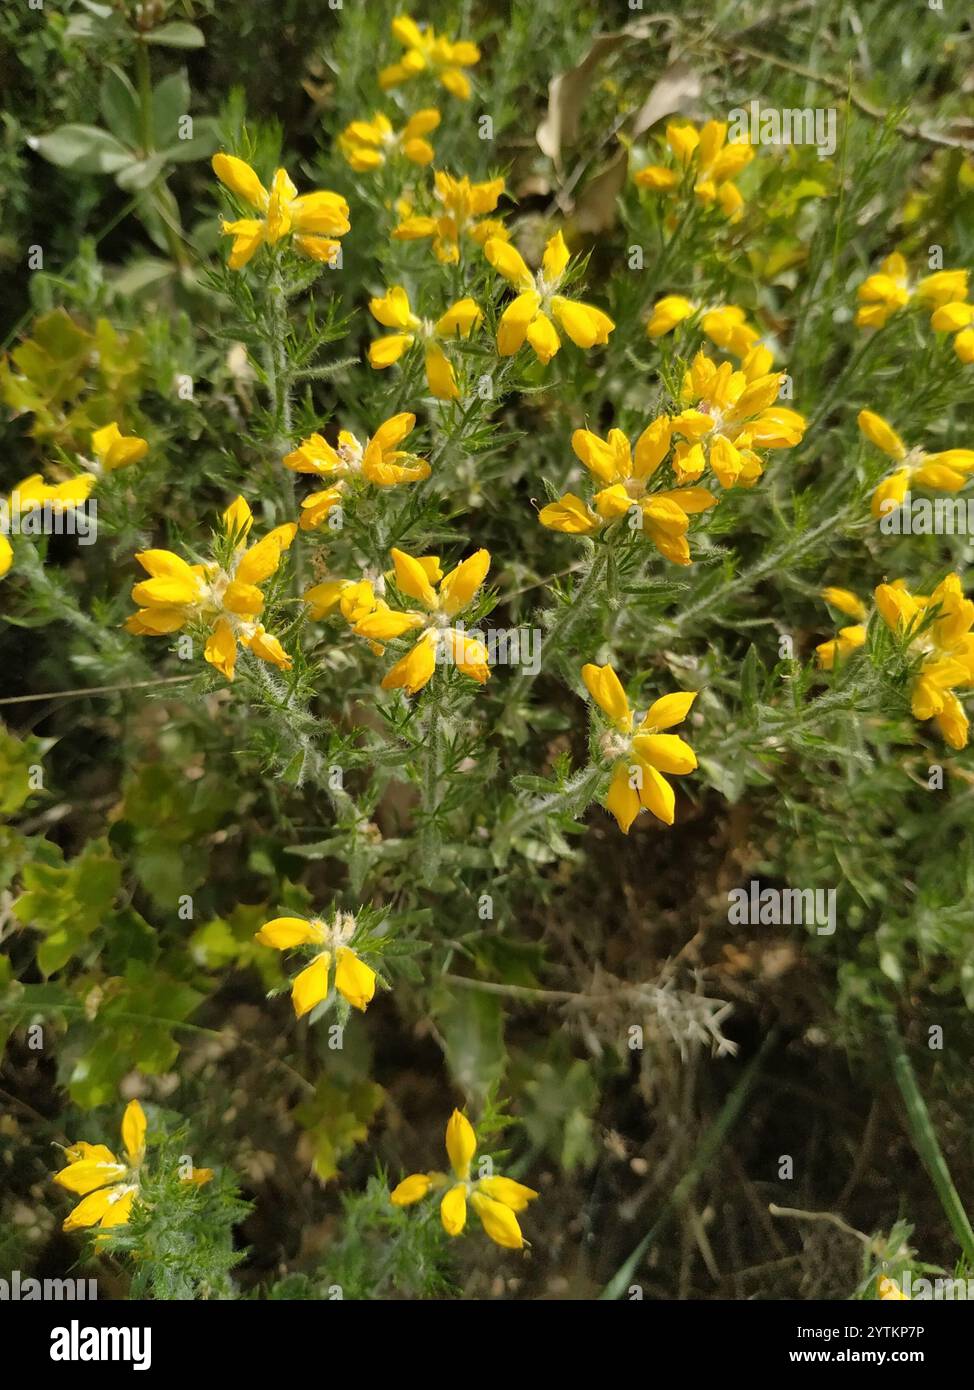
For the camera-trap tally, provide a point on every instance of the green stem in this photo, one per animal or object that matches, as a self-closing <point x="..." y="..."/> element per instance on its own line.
<point x="563" y="623"/>
<point x="925" y="1140"/>
<point x="430" y="838"/>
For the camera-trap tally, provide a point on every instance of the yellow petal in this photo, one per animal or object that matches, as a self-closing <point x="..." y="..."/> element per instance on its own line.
<point x="882" y="434"/>
<point x="657" y="795"/>
<point x="411" y="578"/>
<point x="221" y="649"/>
<point x="284" y="933"/>
<point x="498" y="1221"/>
<point x="453" y="1210"/>
<point x="238" y="176"/>
<point x="458" y="588"/>
<point x="669" y="710"/>
<point x="410" y="1190"/>
<point x="623" y="799"/>
<point x="133" y="1131"/>
<point x="665" y="752"/>
<point x="508" y="262"/>
<point x="513" y="1194"/>
<point x="354" y="980"/>
<point x="311" y="986"/>
<point x="461" y="1143"/>
<point x="606" y="690"/>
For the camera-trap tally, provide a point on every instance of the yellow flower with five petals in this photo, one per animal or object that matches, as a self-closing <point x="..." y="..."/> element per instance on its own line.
<point x="378" y="462"/>
<point x="495" y="1199"/>
<point x="725" y="325"/>
<point x="624" y="473"/>
<point x="945" y="471"/>
<point x="441" y="639"/>
<point x="224" y="598"/>
<point x="638" y="750"/>
<point x="313" y="220"/>
<point x="704" y="158"/>
<point x="529" y="315"/>
<point x="393" y="310"/>
<point x="464" y="205"/>
<point x="728" y="415"/>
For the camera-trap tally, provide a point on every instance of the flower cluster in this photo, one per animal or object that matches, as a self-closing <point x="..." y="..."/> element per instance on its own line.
<point x="107" y="1185"/>
<point x="378" y="462"/>
<point x="440" y="640"/>
<point x="945" y="471"/>
<point x="703" y="159"/>
<point x="943" y="294"/>
<point x="313" y="221"/>
<point x="935" y="631"/>
<point x="529" y="315"/>
<point x="221" y="596"/>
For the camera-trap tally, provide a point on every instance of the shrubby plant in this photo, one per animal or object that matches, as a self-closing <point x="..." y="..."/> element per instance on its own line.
<point x="476" y="464"/>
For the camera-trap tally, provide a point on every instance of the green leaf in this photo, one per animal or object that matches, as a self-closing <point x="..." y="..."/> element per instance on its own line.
<point x="84" y="149"/>
<point x="120" y="105"/>
<point x="335" y="1119"/>
<point x="66" y="902"/>
<point x="176" y="35"/>
<point x="170" y="102"/>
<point x="17" y="757"/>
<point x="140" y="173"/>
<point x="470" y="1022"/>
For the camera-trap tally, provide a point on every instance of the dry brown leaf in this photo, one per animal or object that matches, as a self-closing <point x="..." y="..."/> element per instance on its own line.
<point x="679" y="85"/>
<point x="566" y="97"/>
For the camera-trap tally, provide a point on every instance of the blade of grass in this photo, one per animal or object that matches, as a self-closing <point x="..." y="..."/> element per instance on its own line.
<point x="710" y="1146"/>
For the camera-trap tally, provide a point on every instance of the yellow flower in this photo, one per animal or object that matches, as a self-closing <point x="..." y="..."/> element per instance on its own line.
<point x="463" y="203"/>
<point x="114" y="450"/>
<point x="425" y="52"/>
<point x="624" y="474"/>
<point x="353" y="598"/>
<point x="368" y="144"/>
<point x="109" y="1186"/>
<point x="890" y="289"/>
<point x="945" y="471"/>
<point x="704" y="157"/>
<point x="640" y="753"/>
<point x="529" y="315"/>
<point x="440" y="639"/>
<point x="31" y="493"/>
<point x="378" y="462"/>
<point x="725" y="325"/>
<point x="314" y="219"/>
<point x="730" y="414"/>
<point x="890" y="1289"/>
<point x="354" y="980"/>
<point x="224" y="598"/>
<point x="945" y="646"/>
<point x="393" y="310"/>
<point x="493" y="1198"/>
